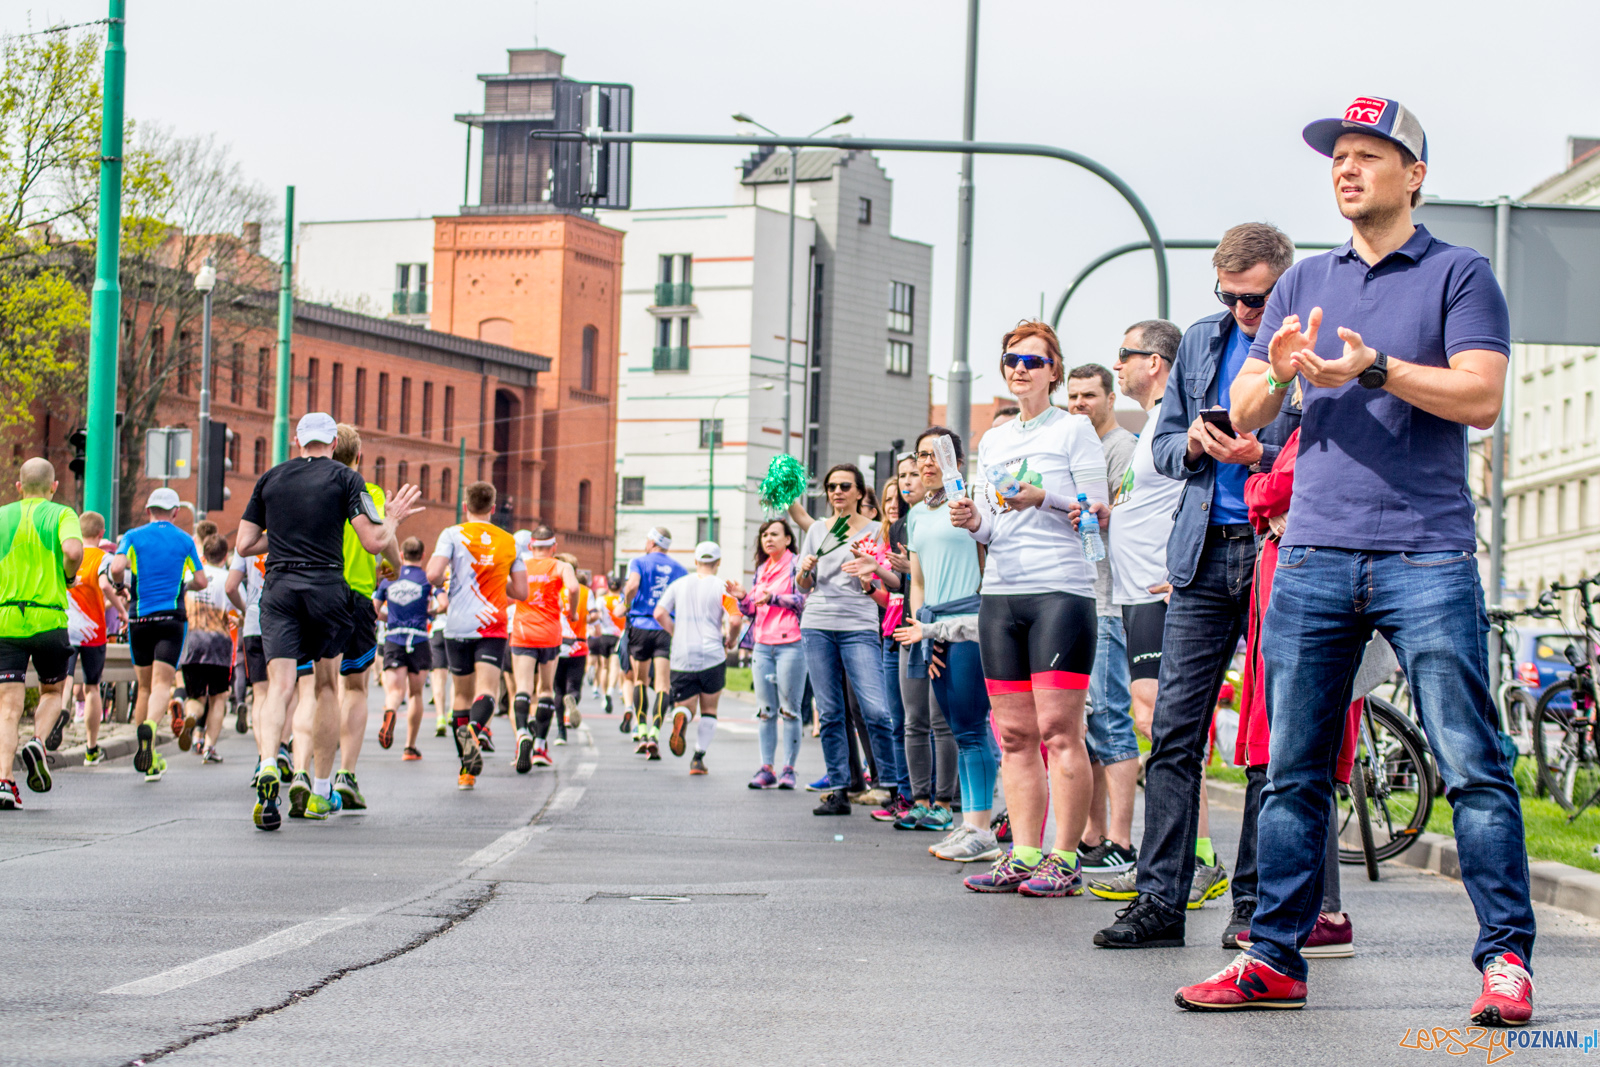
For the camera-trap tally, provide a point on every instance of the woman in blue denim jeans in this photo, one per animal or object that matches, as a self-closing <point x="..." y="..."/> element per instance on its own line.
<point x="839" y="631"/>
<point x="778" y="665"/>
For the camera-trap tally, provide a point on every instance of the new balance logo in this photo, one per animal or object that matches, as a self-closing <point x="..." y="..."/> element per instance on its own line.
<point x="1251" y="985"/>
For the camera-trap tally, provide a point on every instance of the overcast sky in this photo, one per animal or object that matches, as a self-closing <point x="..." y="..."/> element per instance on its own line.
<point x="1197" y="105"/>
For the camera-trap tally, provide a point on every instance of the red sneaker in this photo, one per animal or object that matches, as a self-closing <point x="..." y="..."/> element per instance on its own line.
<point x="386" y="731"/>
<point x="1245" y="983"/>
<point x="1507" y="998"/>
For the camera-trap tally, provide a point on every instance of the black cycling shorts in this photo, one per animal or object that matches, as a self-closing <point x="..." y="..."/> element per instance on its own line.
<point x="464" y="656"/>
<point x="603" y="646"/>
<point x="1036" y="641"/>
<point x="202" y="680"/>
<point x="418" y="659"/>
<point x="646" y="645"/>
<point x="255" y="659"/>
<point x="569" y="677"/>
<point x="547" y="654"/>
<point x="1144" y="625"/>
<point x="150" y="640"/>
<point x="361" y="648"/>
<point x="305" y="616"/>
<point x="686" y="684"/>
<point x="49" y="651"/>
<point x="93" y="658"/>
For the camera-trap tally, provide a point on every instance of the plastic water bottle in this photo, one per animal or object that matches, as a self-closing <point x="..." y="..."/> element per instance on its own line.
<point x="1004" y="482"/>
<point x="944" y="450"/>
<point x="1089" y="529"/>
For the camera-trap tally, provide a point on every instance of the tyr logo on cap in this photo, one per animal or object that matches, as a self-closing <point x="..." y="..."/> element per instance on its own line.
<point x="1366" y="110"/>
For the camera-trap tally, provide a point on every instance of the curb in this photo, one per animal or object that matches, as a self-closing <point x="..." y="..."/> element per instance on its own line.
<point x="121" y="748"/>
<point x="1549" y="882"/>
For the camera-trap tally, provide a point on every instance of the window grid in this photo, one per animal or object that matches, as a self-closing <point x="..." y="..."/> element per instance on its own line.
<point x="448" y="417"/>
<point x="359" y="413"/>
<point x="898" y="359"/>
<point x="633" y="492"/>
<point x="262" y="362"/>
<point x="427" y="408"/>
<point x="336" y="392"/>
<point x="405" y="406"/>
<point x="312" y="367"/>
<point x="902" y="302"/>
<point x="261" y="455"/>
<point x="236" y="374"/>
<point x="383" y="400"/>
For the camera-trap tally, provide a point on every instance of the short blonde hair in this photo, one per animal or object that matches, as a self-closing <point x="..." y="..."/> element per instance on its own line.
<point x="347" y="447"/>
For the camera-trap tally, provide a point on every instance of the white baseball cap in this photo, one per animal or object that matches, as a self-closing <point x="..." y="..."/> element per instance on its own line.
<point x="316" y="426"/>
<point x="707" y="552"/>
<point x="163" y="499"/>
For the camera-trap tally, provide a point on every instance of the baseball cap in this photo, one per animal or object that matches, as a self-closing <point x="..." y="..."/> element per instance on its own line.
<point x="163" y="499"/>
<point x="1373" y="115"/>
<point x="707" y="552"/>
<point x="316" y="426"/>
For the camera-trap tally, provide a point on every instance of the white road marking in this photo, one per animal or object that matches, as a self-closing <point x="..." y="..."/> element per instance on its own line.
<point x="566" y="798"/>
<point x="585" y="770"/>
<point x="211" y="966"/>
<point x="736" y="728"/>
<point x="500" y="847"/>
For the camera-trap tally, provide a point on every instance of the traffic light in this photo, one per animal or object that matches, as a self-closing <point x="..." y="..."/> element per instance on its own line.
<point x="214" y="492"/>
<point x="77" y="440"/>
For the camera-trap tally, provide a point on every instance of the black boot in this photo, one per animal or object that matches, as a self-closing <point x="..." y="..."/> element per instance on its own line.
<point x="1145" y="923"/>
<point x="835" y="803"/>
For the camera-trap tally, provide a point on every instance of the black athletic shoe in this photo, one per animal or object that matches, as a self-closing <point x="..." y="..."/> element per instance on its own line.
<point x="524" y="762"/>
<point x="834" y="803"/>
<point x="143" y="756"/>
<point x="53" y="742"/>
<point x="1108" y="857"/>
<point x="467" y="746"/>
<point x="485" y="738"/>
<point x="1001" y="825"/>
<point x="1243" y="912"/>
<point x="1145" y="923"/>
<point x="38" y="766"/>
<point x="626" y="725"/>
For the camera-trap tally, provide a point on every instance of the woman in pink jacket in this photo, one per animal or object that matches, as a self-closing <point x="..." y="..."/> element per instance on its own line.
<point x="778" y="667"/>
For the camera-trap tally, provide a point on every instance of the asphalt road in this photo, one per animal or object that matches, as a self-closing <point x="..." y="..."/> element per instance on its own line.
<point x="504" y="925"/>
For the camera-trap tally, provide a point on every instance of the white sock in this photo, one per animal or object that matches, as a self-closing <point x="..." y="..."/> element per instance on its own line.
<point x="323" y="787"/>
<point x="708" y="730"/>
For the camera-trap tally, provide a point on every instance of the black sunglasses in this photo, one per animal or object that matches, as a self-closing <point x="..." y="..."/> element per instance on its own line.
<point x="1012" y="360"/>
<point x="840" y="487"/>
<point x="1249" y="300"/>
<point x="1124" y="353"/>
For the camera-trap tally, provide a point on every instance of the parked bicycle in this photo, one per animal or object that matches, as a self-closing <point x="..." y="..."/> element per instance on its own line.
<point x="1515" y="705"/>
<point x="1564" y="722"/>
<point x="1391" y="786"/>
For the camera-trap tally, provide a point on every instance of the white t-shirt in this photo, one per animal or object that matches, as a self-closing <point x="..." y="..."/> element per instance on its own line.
<point x="837" y="600"/>
<point x="1141" y="516"/>
<point x="1036" y="550"/>
<point x="695" y="604"/>
<point x="254" y="569"/>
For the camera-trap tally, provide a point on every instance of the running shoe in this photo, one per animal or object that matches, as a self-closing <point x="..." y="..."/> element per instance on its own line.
<point x="1144" y="923"/>
<point x="821" y="785"/>
<point x="834" y="803"/>
<point x="386" y="731"/>
<point x="146" y="734"/>
<point x="559" y="739"/>
<point x="158" y="767"/>
<point x="37" y="764"/>
<point x="939" y="819"/>
<point x="1507" y="998"/>
<point x="267" y="816"/>
<point x="872" y="797"/>
<point x="410" y="754"/>
<point x="1209" y="884"/>
<point x="1001" y="825"/>
<point x="764" y="779"/>
<point x="212" y="755"/>
<point x="697" y="764"/>
<point x="241" y="720"/>
<point x="10" y="795"/>
<point x="466" y="781"/>
<point x="1328" y="940"/>
<point x="653" y="752"/>
<point x="893" y="811"/>
<point x="1124" y="886"/>
<point x="300" y="794"/>
<point x="915" y="814"/>
<point x="285" y="762"/>
<point x="344" y="784"/>
<point x="92" y="756"/>
<point x="485" y="738"/>
<point x="53" y="742"/>
<point x="541" y="755"/>
<point x="524" y="761"/>
<point x="608" y="705"/>
<point x="1107" y="857"/>
<point x="574" y="716"/>
<point x="1246" y="983"/>
<point x="440" y="725"/>
<point x="626" y="725"/>
<point x="680" y="723"/>
<point x="1005" y="876"/>
<point x="976" y="846"/>
<point x="185" y="731"/>
<point x="467" y="746"/>
<point x="175" y="713"/>
<point x="786" y="779"/>
<point x="320" y="807"/>
<point x="961" y="830"/>
<point x="1243" y="912"/>
<point x="1053" y="878"/>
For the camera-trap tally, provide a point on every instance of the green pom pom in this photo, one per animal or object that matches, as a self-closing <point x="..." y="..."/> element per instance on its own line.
<point x="784" y="483"/>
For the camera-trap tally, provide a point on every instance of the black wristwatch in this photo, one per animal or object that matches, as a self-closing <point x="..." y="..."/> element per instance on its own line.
<point x="1376" y="375"/>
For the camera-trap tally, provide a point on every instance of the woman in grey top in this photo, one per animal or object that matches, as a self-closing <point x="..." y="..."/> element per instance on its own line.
<point x="839" y="632"/>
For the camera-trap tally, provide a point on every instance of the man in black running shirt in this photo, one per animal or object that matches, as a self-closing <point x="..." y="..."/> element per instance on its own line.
<point x="303" y="505"/>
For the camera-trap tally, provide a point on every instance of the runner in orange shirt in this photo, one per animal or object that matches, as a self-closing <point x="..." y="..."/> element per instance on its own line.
<point x="536" y="644"/>
<point x="86" y="628"/>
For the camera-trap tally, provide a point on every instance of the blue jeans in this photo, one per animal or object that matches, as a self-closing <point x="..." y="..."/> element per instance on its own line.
<point x="900" y="777"/>
<point x="965" y="701"/>
<point x="1429" y="605"/>
<point x="1108" y="732"/>
<point x="831" y="656"/>
<point x="780" y="681"/>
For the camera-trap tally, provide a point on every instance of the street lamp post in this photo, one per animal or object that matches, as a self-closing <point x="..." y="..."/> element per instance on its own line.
<point x="788" y="307"/>
<point x="711" y="458"/>
<point x="205" y="280"/>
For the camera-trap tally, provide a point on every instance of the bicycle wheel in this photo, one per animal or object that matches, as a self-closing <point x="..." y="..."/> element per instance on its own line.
<point x="1358" y="800"/>
<point x="1400" y="787"/>
<point x="1564" y="744"/>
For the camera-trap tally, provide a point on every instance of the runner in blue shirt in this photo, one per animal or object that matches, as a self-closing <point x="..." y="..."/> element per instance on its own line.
<point x="649" y="646"/>
<point x="405" y="603"/>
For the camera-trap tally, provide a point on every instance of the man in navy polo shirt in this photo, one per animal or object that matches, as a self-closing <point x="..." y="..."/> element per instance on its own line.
<point x="1401" y="342"/>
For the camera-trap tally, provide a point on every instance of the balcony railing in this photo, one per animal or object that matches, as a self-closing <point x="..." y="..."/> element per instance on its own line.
<point x="674" y="294"/>
<point x="670" y="359"/>
<point x="409" y="303"/>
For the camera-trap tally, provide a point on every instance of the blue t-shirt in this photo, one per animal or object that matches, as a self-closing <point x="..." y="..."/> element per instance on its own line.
<point x="407" y="597"/>
<point x="161" y="559"/>
<point x="1375" y="473"/>
<point x="947" y="555"/>
<point x="656" y="571"/>
<point x="1227" y="494"/>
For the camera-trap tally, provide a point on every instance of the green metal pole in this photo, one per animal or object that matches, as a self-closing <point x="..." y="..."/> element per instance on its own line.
<point x="280" y="420"/>
<point x="105" y="308"/>
<point x="461" y="477"/>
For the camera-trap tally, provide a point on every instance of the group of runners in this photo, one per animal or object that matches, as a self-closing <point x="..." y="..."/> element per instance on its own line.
<point x="973" y="647"/>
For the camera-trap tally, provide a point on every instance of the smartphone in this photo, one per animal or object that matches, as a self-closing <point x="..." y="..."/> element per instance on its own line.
<point x="1218" y="417"/>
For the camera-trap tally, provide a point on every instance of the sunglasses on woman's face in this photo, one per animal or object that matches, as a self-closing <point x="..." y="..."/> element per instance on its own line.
<point x="1249" y="300"/>
<point x="840" y="487"/>
<point x="1012" y="360"/>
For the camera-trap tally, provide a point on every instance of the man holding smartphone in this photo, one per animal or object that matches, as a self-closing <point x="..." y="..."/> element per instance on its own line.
<point x="1210" y="562"/>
